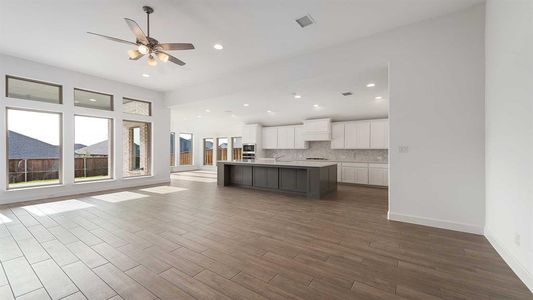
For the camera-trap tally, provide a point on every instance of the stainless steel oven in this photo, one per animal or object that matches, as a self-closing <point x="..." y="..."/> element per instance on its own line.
<point x="248" y="151"/>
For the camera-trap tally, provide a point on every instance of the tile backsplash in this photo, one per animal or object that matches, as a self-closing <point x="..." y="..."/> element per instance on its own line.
<point x="323" y="150"/>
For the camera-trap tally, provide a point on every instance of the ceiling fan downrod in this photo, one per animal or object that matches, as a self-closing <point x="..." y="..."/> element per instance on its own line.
<point x="148" y="10"/>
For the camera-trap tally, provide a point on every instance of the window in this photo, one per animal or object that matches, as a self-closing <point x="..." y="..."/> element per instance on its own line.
<point x="137" y="148"/>
<point x="136" y="107"/>
<point x="222" y="149"/>
<point x="236" y="146"/>
<point x="208" y="151"/>
<point x="33" y="90"/>
<point x="172" y="149"/>
<point x="185" y="149"/>
<point x="92" y="148"/>
<point x="33" y="147"/>
<point x="88" y="99"/>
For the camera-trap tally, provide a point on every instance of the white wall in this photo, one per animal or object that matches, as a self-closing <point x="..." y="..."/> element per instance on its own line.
<point x="436" y="109"/>
<point x="69" y="80"/>
<point x="203" y="128"/>
<point x="509" y="133"/>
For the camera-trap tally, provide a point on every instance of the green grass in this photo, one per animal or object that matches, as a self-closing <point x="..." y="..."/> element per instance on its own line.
<point x="82" y="179"/>
<point x="34" y="183"/>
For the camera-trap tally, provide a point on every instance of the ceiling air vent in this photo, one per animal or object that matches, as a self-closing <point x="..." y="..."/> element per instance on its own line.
<point x="305" y="21"/>
<point x="347" y="93"/>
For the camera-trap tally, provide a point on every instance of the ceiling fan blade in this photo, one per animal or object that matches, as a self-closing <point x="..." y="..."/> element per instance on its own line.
<point x="176" y="46"/>
<point x="174" y="59"/>
<point x="112" y="38"/>
<point x="137" y="31"/>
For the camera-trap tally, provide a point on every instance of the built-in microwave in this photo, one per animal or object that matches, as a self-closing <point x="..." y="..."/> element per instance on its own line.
<point x="248" y="148"/>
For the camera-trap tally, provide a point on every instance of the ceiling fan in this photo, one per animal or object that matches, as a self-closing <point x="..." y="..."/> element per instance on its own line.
<point x="147" y="45"/>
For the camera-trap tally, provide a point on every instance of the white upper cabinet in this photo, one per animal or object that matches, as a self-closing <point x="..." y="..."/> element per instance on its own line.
<point x="251" y="134"/>
<point x="270" y="137"/>
<point x="357" y="135"/>
<point x="317" y="130"/>
<point x="337" y="135"/>
<point x="285" y="137"/>
<point x="299" y="142"/>
<point x="379" y="138"/>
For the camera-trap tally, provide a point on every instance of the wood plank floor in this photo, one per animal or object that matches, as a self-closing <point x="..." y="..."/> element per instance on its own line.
<point x="194" y="240"/>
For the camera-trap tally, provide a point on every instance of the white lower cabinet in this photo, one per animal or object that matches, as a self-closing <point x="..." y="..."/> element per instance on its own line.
<point x="363" y="173"/>
<point x="355" y="173"/>
<point x="378" y="174"/>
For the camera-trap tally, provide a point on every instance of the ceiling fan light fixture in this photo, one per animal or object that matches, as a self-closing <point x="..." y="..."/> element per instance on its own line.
<point x="162" y="56"/>
<point x="133" y="54"/>
<point x="143" y="49"/>
<point x="151" y="61"/>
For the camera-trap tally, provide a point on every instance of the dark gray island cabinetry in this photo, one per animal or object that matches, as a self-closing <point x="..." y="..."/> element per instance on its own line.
<point x="312" y="179"/>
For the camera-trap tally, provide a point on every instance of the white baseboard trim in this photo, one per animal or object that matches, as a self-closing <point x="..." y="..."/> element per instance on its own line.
<point x="511" y="260"/>
<point x="444" y="224"/>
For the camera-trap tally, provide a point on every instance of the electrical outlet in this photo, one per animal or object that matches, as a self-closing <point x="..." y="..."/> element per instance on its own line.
<point x="403" y="149"/>
<point x="517" y="239"/>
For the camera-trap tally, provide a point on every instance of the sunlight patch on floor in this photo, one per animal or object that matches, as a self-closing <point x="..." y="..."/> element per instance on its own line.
<point x="195" y="174"/>
<point x="4" y="219"/>
<point x="192" y="178"/>
<point x="163" y="189"/>
<point x="56" y="207"/>
<point x="119" y="197"/>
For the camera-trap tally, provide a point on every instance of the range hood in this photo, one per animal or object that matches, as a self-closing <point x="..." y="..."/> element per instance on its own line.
<point x="317" y="130"/>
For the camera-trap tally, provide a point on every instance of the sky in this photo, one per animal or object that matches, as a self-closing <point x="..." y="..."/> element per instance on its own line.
<point x="45" y="127"/>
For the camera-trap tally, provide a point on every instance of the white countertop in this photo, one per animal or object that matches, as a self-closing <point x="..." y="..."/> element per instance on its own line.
<point x="303" y="164"/>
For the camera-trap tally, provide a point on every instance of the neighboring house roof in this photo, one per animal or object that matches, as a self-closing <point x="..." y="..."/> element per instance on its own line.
<point x="22" y="146"/>
<point x="101" y="148"/>
<point x="185" y="145"/>
<point x="79" y="146"/>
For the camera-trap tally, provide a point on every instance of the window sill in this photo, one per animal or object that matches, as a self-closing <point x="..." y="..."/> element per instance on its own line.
<point x="137" y="177"/>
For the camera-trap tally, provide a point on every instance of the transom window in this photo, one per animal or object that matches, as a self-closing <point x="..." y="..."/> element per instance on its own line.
<point x="29" y="89"/>
<point x="95" y="100"/>
<point x="136" y="107"/>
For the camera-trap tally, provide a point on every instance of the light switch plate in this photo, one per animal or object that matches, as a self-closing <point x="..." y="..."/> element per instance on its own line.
<point x="403" y="149"/>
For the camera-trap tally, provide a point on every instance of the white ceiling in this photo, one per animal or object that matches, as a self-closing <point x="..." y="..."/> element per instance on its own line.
<point x="324" y="91"/>
<point x="253" y="32"/>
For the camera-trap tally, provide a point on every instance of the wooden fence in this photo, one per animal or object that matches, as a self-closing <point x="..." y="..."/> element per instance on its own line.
<point x="185" y="158"/>
<point x="222" y="154"/>
<point x="91" y="166"/>
<point x="208" y="157"/>
<point x="34" y="169"/>
<point x="24" y="170"/>
<point x="237" y="152"/>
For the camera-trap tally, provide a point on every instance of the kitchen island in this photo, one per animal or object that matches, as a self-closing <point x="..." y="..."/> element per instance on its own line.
<point x="311" y="179"/>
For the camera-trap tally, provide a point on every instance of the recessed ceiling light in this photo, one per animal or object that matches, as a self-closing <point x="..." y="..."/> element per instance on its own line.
<point x="198" y="116"/>
<point x="379" y="98"/>
<point x="296" y="96"/>
<point x="316" y="105"/>
<point x="246" y="105"/>
<point x="145" y="75"/>
<point x="218" y="46"/>
<point x="371" y="84"/>
<point x="92" y="100"/>
<point x="207" y="111"/>
<point x="269" y="111"/>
